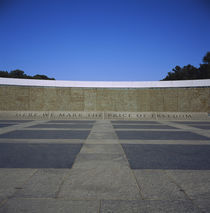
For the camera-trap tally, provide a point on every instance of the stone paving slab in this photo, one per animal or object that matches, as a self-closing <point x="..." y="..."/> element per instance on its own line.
<point x="20" y="205"/>
<point x="153" y="156"/>
<point x="11" y="180"/>
<point x="102" y="183"/>
<point x="101" y="148"/>
<point x="161" y="135"/>
<point x="196" y="184"/>
<point x="203" y="204"/>
<point x="56" y="129"/>
<point x="100" y="179"/>
<point x="101" y="141"/>
<point x="23" y="155"/>
<point x="41" y="141"/>
<point x="47" y="134"/>
<point x="45" y="183"/>
<point x="157" y="185"/>
<point x="182" y="142"/>
<point x="145" y="128"/>
<point x="146" y="206"/>
<point x="103" y="135"/>
<point x="92" y="160"/>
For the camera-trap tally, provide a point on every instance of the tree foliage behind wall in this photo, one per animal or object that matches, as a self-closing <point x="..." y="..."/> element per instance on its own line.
<point x="189" y="72"/>
<point x="20" y="74"/>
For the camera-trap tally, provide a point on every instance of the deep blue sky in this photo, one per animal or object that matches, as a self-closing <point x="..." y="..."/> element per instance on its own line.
<point x="110" y="40"/>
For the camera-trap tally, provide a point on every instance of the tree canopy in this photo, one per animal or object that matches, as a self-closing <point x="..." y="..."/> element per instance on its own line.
<point x="189" y="72"/>
<point x="20" y="74"/>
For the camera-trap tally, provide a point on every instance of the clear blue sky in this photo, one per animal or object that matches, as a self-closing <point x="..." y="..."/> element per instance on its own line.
<point x="110" y="40"/>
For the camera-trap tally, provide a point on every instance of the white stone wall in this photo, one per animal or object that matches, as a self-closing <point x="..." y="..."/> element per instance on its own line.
<point x="105" y="84"/>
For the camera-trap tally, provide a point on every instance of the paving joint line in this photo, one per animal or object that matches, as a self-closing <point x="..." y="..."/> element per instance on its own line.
<point x="99" y="208"/>
<point x="61" y="184"/>
<point x="181" y="189"/>
<point x="139" y="187"/>
<point x="130" y="170"/>
<point x="158" y="130"/>
<point x="22" y="185"/>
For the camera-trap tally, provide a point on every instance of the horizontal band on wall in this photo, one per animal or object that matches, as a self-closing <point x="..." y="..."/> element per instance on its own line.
<point x="106" y="84"/>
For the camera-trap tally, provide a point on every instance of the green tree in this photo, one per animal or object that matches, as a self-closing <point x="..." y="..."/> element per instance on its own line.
<point x="175" y="74"/>
<point x="4" y="74"/>
<point x="42" y="77"/>
<point x="20" y="74"/>
<point x="190" y="72"/>
<point x="204" y="68"/>
<point x="206" y="58"/>
<point x="184" y="73"/>
<point x="17" y="74"/>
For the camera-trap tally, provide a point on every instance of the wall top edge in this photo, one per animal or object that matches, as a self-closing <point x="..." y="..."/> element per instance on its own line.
<point x="105" y="84"/>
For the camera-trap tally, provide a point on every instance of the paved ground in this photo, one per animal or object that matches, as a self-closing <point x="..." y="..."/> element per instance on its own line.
<point x="104" y="166"/>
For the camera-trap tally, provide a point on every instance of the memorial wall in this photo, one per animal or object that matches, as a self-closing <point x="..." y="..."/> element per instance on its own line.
<point x="34" y="98"/>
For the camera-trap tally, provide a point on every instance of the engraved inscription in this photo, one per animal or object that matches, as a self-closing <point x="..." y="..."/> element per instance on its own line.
<point x="47" y="115"/>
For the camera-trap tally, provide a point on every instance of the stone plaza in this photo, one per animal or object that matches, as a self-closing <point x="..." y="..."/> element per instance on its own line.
<point x="104" y="166"/>
<point x="104" y="160"/>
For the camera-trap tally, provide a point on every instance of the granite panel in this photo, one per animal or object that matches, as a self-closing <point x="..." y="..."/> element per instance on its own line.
<point x="5" y="125"/>
<point x="24" y="155"/>
<point x="201" y="126"/>
<point x="153" y="156"/>
<point x="118" y="126"/>
<point x="46" y="134"/>
<point x="64" y="125"/>
<point x="159" y="135"/>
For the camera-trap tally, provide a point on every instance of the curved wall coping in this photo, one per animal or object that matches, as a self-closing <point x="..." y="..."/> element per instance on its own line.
<point x="105" y="84"/>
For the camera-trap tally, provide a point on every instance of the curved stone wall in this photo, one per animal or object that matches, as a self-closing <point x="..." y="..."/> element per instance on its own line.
<point x="54" y="98"/>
